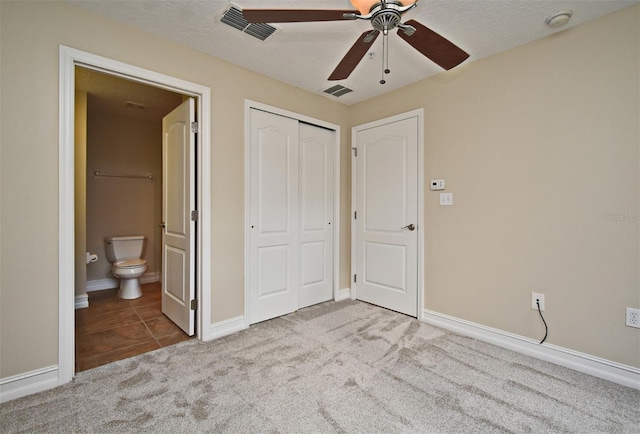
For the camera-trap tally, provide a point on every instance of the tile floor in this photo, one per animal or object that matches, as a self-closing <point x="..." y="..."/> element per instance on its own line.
<point x="112" y="329"/>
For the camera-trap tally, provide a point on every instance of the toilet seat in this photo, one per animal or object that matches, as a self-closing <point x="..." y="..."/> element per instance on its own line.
<point x="130" y="263"/>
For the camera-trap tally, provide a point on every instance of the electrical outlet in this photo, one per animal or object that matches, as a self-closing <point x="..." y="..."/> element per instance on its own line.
<point x="633" y="317"/>
<point x="535" y="297"/>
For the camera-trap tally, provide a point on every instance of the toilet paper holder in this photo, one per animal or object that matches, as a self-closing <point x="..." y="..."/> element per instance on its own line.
<point x="91" y="257"/>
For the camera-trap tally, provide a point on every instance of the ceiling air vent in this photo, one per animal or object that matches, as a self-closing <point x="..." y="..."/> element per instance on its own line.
<point x="137" y="105"/>
<point x="234" y="18"/>
<point x="338" y="90"/>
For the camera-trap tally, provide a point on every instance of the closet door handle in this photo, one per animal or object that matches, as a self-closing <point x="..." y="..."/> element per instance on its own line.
<point x="162" y="225"/>
<point x="410" y="227"/>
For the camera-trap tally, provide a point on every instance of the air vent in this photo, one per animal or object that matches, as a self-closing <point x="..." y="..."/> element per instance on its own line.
<point x="136" y="105"/>
<point x="234" y="18"/>
<point x="338" y="90"/>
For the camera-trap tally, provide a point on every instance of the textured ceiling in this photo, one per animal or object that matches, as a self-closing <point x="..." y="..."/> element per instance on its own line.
<point x="304" y="54"/>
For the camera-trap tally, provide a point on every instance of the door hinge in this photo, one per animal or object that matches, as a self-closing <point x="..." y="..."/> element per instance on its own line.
<point x="355" y="152"/>
<point x="355" y="215"/>
<point x="354" y="278"/>
<point x="194" y="215"/>
<point x="194" y="304"/>
<point x="194" y="127"/>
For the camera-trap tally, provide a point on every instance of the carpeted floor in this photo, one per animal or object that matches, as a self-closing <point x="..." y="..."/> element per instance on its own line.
<point x="345" y="367"/>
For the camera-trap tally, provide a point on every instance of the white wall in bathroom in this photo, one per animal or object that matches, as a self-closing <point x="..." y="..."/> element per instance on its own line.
<point x="122" y="206"/>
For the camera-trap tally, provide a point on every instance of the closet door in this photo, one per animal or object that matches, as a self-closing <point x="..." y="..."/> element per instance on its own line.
<point x="274" y="218"/>
<point x="316" y="214"/>
<point x="291" y="215"/>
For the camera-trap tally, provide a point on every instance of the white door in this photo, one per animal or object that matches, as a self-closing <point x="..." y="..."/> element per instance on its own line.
<point x="273" y="243"/>
<point x="178" y="200"/>
<point x="316" y="214"/>
<point x="291" y="215"/>
<point x="387" y="212"/>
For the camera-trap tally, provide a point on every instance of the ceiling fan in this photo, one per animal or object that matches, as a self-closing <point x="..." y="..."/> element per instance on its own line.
<point x="384" y="15"/>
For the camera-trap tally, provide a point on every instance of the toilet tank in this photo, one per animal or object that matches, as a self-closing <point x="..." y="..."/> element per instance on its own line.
<point x="121" y="248"/>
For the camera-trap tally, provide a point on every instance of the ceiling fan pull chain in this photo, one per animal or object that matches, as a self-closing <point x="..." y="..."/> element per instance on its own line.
<point x="384" y="58"/>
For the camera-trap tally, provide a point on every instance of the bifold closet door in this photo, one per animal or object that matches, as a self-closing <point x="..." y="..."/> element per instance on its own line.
<point x="291" y="215"/>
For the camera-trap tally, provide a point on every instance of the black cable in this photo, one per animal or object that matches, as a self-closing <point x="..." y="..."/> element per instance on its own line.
<point x="546" y="329"/>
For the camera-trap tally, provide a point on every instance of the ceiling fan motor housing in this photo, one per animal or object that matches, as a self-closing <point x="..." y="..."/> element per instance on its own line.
<point x="385" y="20"/>
<point x="388" y="4"/>
<point x="386" y="16"/>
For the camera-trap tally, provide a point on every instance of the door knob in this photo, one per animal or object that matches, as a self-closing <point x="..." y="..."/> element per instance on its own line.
<point x="410" y="227"/>
<point x="162" y="225"/>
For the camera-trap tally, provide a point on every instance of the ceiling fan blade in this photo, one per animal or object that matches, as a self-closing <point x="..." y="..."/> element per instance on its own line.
<point x="294" y="15"/>
<point x="440" y="50"/>
<point x="354" y="55"/>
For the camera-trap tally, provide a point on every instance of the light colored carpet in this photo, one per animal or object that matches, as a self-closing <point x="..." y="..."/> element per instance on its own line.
<point x="345" y="367"/>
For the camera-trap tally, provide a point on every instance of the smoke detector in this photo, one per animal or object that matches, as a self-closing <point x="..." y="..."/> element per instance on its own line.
<point x="558" y="19"/>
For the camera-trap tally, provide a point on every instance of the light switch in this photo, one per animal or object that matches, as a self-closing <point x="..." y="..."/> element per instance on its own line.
<point x="446" y="198"/>
<point x="437" y="184"/>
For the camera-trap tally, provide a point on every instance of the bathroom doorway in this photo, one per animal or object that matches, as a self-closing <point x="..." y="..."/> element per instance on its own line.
<point x="119" y="124"/>
<point x="69" y="60"/>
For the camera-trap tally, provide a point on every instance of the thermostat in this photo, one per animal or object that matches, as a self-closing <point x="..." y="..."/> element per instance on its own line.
<point x="437" y="184"/>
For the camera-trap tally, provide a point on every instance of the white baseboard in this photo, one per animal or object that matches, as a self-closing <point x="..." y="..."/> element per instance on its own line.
<point x="343" y="294"/>
<point x="81" y="301"/>
<point x="226" y="327"/>
<point x="25" y="384"/>
<point x="101" y="284"/>
<point x="602" y="368"/>
<point x="150" y="277"/>
<point x="110" y="283"/>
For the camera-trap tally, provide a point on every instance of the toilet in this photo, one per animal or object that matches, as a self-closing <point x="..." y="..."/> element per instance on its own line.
<point x="124" y="254"/>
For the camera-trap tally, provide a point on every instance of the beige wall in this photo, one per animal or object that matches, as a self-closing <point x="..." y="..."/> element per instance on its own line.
<point x="31" y="33"/>
<point x="123" y="206"/>
<point x="80" y="200"/>
<point x="539" y="146"/>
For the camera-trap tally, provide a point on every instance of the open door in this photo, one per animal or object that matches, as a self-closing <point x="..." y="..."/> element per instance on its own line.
<point x="178" y="202"/>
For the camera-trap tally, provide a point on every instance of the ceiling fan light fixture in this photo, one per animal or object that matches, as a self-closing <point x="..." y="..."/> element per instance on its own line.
<point x="365" y="6"/>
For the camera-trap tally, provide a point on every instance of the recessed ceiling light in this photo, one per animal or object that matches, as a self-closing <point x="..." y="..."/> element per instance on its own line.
<point x="558" y="19"/>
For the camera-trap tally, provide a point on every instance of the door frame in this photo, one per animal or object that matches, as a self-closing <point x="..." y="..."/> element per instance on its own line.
<point x="418" y="113"/>
<point x="69" y="58"/>
<point x="248" y="106"/>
